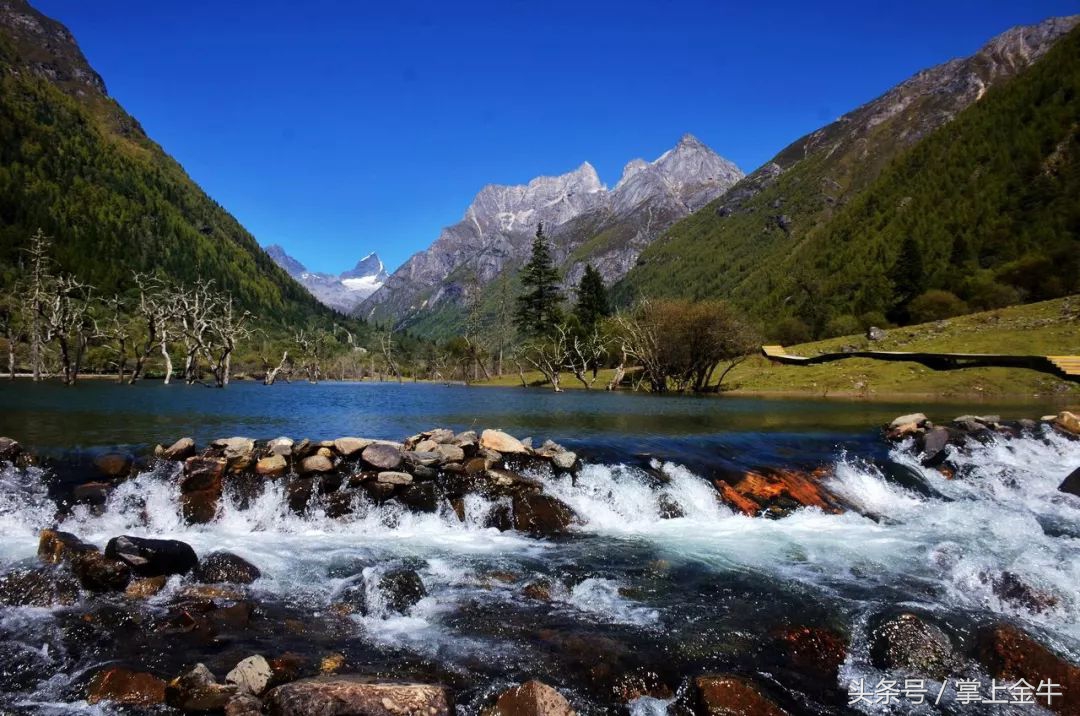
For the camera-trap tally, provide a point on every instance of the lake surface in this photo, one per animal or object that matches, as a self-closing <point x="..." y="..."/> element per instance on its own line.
<point x="659" y="581"/>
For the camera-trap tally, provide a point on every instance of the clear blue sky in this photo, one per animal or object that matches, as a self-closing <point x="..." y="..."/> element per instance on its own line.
<point x="338" y="128"/>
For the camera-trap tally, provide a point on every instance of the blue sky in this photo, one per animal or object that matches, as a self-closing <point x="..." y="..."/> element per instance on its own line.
<point x="339" y="128"/>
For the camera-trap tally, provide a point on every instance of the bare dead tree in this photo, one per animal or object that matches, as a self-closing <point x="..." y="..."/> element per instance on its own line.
<point x="36" y="300"/>
<point x="69" y="323"/>
<point x="115" y="330"/>
<point x="273" y="373"/>
<point x="584" y="353"/>
<point x="386" y="345"/>
<point x="155" y="310"/>
<point x="196" y="306"/>
<point x="228" y="326"/>
<point x="549" y="355"/>
<point x="309" y="349"/>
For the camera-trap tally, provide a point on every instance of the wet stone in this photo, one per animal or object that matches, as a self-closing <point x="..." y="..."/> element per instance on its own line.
<point x="533" y="698"/>
<point x="909" y="643"/>
<point x="152" y="557"/>
<point x="219" y="567"/>
<point x="347" y="694"/>
<point x="127" y="687"/>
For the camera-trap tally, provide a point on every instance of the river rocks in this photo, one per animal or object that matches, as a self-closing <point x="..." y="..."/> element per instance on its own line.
<point x="533" y="698"/>
<point x="382" y="456"/>
<point x="725" y="695"/>
<point x="152" y="557"/>
<point x="542" y="515"/>
<point x="815" y="651"/>
<point x="450" y="453"/>
<point x="315" y="464"/>
<point x="1071" y="483"/>
<point x="55" y="547"/>
<point x="10" y="450"/>
<point x="243" y="704"/>
<point x="908" y="643"/>
<point x="38" y="587"/>
<point x="219" y="567"/>
<point x="114" y="464"/>
<point x="282" y="447"/>
<point x="776" y="493"/>
<point x="252" y="675"/>
<point x="182" y="449"/>
<point x="1008" y="653"/>
<point x="1069" y="422"/>
<point x="350" y="695"/>
<point x="271" y="466"/>
<point x="237" y="448"/>
<point x="202" y="473"/>
<point x="126" y="687"/>
<point x="98" y="573"/>
<point x="145" y="587"/>
<point x="932" y="446"/>
<point x="390" y="477"/>
<point x="200" y="506"/>
<point x="564" y="460"/>
<point x="906" y="425"/>
<point x="401" y="589"/>
<point x="198" y="691"/>
<point x="349" y="447"/>
<point x="501" y="442"/>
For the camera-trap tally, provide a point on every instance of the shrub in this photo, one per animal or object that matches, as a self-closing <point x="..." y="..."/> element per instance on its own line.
<point x="789" y="331"/>
<point x="934" y="305"/>
<point x="843" y="326"/>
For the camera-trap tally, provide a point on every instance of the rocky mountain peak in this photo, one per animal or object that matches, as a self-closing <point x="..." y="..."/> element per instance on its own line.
<point x="342" y="292"/>
<point x="48" y="49"/>
<point x="370" y="265"/>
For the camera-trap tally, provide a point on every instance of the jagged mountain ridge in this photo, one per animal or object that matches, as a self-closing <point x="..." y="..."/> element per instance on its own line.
<point x="585" y="221"/>
<point x="342" y="292"/>
<point x="729" y="248"/>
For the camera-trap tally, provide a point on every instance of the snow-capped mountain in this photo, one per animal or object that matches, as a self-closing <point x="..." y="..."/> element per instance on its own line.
<point x="342" y="292"/>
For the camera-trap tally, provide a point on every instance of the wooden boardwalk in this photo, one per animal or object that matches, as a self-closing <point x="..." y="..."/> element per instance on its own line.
<point x="1067" y="367"/>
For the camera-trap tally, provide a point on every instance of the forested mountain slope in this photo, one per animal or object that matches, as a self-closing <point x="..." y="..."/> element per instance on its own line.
<point x="974" y="160"/>
<point x="75" y="164"/>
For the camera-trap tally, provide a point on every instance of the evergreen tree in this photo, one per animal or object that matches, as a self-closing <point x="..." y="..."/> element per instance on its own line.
<point x="592" y="299"/>
<point x="538" y="307"/>
<point x="907" y="274"/>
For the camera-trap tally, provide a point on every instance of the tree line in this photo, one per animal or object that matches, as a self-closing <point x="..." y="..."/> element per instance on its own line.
<point x="658" y="344"/>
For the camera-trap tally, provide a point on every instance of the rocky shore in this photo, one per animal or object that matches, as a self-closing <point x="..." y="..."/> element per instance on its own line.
<point x="205" y="598"/>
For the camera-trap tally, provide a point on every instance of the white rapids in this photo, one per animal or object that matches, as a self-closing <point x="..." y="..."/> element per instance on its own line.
<point x="1001" y="513"/>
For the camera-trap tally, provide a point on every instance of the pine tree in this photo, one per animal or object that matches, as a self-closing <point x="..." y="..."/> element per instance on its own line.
<point x="592" y="299"/>
<point x="539" y="306"/>
<point x="907" y="273"/>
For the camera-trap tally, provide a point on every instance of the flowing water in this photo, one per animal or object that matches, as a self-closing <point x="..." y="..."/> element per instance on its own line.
<point x="659" y="582"/>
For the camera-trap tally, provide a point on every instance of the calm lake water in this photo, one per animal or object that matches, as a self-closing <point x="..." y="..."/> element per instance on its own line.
<point x="50" y="417"/>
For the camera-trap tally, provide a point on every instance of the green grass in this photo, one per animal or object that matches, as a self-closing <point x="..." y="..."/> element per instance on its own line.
<point x="1046" y="328"/>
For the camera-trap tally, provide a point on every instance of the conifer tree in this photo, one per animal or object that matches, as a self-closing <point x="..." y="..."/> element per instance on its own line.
<point x="592" y="299"/>
<point x="907" y="273"/>
<point x="539" y="306"/>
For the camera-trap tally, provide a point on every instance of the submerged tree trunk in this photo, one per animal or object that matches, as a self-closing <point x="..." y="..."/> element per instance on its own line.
<point x="168" y="360"/>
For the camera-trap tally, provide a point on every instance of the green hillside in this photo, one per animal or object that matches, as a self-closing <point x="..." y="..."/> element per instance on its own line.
<point x="991" y="200"/>
<point x="75" y="164"/>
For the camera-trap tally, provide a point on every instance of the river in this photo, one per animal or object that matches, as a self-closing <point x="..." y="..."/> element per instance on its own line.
<point x="660" y="580"/>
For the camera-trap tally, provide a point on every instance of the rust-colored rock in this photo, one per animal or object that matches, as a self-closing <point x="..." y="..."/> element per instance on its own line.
<point x="114" y="464"/>
<point x="198" y="691"/>
<point x="777" y="492"/>
<point x="124" y="686"/>
<point x="55" y="547"/>
<point x="533" y="698"/>
<point x="732" y="696"/>
<point x="352" y="695"/>
<point x="98" y="573"/>
<point x="201" y="506"/>
<point x="816" y="651"/>
<point x="1008" y="653"/>
<point x="145" y="587"/>
<point x="40" y="587"/>
<point x="1069" y="422"/>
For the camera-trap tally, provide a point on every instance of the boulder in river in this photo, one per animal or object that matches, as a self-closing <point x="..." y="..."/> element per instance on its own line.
<point x="315" y="464"/>
<point x="56" y="547"/>
<point x="542" y="515"/>
<point x="816" y="651"/>
<point x="1071" y="483"/>
<point x="202" y="473"/>
<point x="252" y="675"/>
<point x="145" y="587"/>
<point x="280" y="446"/>
<point x="501" y="442"/>
<point x="219" y="567"/>
<point x="10" y="450"/>
<point x="777" y="492"/>
<point x="392" y="477"/>
<point x="182" y="449"/>
<point x="200" y="506"/>
<point x="152" y="557"/>
<point x="238" y="448"/>
<point x="1069" y="422"/>
<point x="114" y="464"/>
<point x="399" y="590"/>
<point x="349" y="446"/>
<point x="1008" y="653"/>
<point x="725" y="695"/>
<point x="382" y="456"/>
<point x="271" y="466"/>
<point x="125" y="687"/>
<point x="38" y="587"/>
<point x="98" y="573"/>
<point x="198" y="691"/>
<point x="533" y="698"/>
<point x="907" y="642"/>
<point x="345" y="695"/>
